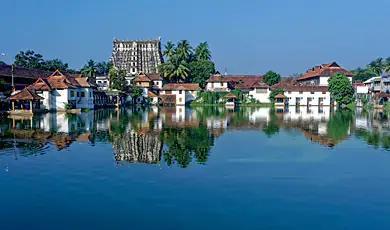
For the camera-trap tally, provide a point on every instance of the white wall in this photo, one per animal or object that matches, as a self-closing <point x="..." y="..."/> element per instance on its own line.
<point x="158" y="84"/>
<point x="324" y="80"/>
<point x="184" y="97"/>
<point x="217" y="85"/>
<point x="262" y="97"/>
<point x="304" y="98"/>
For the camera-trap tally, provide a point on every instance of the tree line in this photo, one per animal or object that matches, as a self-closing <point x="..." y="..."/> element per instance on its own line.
<point x="373" y="69"/>
<point x="186" y="64"/>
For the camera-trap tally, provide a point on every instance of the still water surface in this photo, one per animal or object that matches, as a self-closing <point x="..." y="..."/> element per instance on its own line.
<point x="200" y="168"/>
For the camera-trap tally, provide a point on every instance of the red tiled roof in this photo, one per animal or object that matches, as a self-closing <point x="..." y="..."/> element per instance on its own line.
<point x="181" y="86"/>
<point x="230" y="95"/>
<point x="324" y="70"/>
<point x="227" y="78"/>
<point x="25" y="94"/>
<point x="148" y="77"/>
<point x="280" y="96"/>
<point x="59" y="80"/>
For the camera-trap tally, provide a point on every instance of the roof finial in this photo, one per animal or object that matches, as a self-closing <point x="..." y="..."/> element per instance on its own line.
<point x="225" y="71"/>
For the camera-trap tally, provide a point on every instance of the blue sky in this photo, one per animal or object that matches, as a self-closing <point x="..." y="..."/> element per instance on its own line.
<point x="246" y="36"/>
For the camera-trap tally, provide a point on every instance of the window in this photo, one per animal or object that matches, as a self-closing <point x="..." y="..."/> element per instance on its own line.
<point x="180" y="99"/>
<point x="82" y="94"/>
<point x="168" y="92"/>
<point x="72" y="93"/>
<point x="312" y="92"/>
<point x="157" y="83"/>
<point x="221" y="84"/>
<point x="78" y="94"/>
<point x="323" y="92"/>
<point x="262" y="91"/>
<point x="289" y="92"/>
<point x="300" y="92"/>
<point x="180" y="109"/>
<point x="180" y="91"/>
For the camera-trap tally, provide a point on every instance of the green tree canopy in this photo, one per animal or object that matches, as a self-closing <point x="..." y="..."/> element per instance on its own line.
<point x="89" y="69"/>
<point x="363" y="74"/>
<point x="202" y="52"/>
<point x="29" y="59"/>
<point x="102" y="68"/>
<point x="117" y="79"/>
<point x="184" y="50"/>
<point x="169" y="49"/>
<point x="340" y="88"/>
<point x="200" y="71"/>
<point x="275" y="92"/>
<point x="271" y="78"/>
<point x="53" y="65"/>
<point x="377" y="66"/>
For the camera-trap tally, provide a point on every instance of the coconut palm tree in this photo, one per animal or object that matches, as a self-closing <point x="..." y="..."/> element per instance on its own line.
<point x="169" y="49"/>
<point x="202" y="52"/>
<point x="89" y="69"/>
<point x="377" y="66"/>
<point x="175" y="69"/>
<point x="184" y="50"/>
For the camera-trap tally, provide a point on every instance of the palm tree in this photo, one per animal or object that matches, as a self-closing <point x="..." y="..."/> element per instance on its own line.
<point x="89" y="69"/>
<point x="184" y="50"/>
<point x="202" y="52"/>
<point x="175" y="69"/>
<point x="387" y="65"/>
<point x="169" y="49"/>
<point x="377" y="66"/>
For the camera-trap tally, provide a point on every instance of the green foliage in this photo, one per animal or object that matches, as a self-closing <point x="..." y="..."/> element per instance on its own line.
<point x="200" y="71"/>
<point x="271" y="78"/>
<point x="185" y="144"/>
<point x="377" y="66"/>
<point x="202" y="52"/>
<point x="29" y="59"/>
<point x="102" y="68"/>
<point x="53" y="65"/>
<point x="338" y="124"/>
<point x="275" y="92"/>
<point x="67" y="106"/>
<point x="363" y="74"/>
<point x="169" y="49"/>
<point x="89" y="69"/>
<point x="186" y="66"/>
<point x="340" y="88"/>
<point x="209" y="97"/>
<point x="117" y="79"/>
<point x="2" y="63"/>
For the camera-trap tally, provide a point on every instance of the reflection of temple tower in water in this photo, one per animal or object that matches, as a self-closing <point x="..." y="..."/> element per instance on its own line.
<point x="133" y="147"/>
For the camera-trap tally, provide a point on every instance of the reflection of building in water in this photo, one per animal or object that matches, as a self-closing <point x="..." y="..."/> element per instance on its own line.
<point x="179" y="116"/>
<point x="217" y="125"/>
<point x="133" y="147"/>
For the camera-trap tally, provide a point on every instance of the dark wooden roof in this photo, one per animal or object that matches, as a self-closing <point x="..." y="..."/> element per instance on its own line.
<point x="25" y="94"/>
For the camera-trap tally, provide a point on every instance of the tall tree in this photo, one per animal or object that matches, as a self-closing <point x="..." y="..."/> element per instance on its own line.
<point x="184" y="50"/>
<point x="271" y="78"/>
<point x="169" y="49"/>
<point x="175" y="69"/>
<point x="340" y="88"/>
<point x="89" y="69"/>
<point x="363" y="74"/>
<point x="52" y="65"/>
<point x="387" y="65"/>
<point x="117" y="79"/>
<point x="200" y="71"/>
<point x="202" y="52"/>
<point x="377" y="66"/>
<point x="28" y="59"/>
